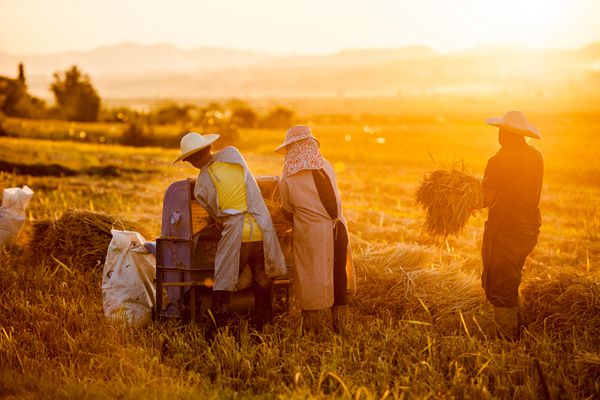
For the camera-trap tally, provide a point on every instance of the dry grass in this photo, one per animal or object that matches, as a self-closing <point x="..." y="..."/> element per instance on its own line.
<point x="450" y="197"/>
<point x="418" y="327"/>
<point x="563" y="304"/>
<point x="78" y="237"/>
<point x="409" y="275"/>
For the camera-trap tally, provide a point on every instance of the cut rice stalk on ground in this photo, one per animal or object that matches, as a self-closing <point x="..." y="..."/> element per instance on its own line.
<point x="564" y="303"/>
<point x="79" y="237"/>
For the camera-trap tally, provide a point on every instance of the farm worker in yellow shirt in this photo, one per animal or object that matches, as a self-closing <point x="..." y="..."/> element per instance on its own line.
<point x="228" y="191"/>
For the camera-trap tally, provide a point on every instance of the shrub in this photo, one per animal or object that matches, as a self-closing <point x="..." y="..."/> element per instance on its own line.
<point x="75" y="95"/>
<point x="278" y="117"/>
<point x="138" y="133"/>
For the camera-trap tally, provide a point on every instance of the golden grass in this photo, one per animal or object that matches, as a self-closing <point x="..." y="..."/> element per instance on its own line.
<point x="418" y="326"/>
<point x="409" y="275"/>
<point x="563" y="304"/>
<point x="450" y="197"/>
<point x="79" y="237"/>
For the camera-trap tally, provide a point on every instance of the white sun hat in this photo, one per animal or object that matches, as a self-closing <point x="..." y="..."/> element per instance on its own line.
<point x="515" y="122"/>
<point x="193" y="142"/>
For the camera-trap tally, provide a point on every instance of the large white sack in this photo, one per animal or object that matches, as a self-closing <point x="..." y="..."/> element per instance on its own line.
<point x="128" y="279"/>
<point x="12" y="212"/>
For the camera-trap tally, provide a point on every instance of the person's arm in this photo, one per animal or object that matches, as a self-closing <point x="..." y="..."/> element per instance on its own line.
<point x="491" y="183"/>
<point x="201" y="196"/>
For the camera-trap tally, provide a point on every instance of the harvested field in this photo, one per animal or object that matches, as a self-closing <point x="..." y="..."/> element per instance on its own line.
<point x="108" y="171"/>
<point x="418" y="324"/>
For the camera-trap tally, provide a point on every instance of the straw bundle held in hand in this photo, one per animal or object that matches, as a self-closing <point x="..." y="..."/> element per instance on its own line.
<point x="449" y="197"/>
<point x="79" y="237"/>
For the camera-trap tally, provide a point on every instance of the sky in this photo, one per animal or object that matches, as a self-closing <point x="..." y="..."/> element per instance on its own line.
<point x="297" y="26"/>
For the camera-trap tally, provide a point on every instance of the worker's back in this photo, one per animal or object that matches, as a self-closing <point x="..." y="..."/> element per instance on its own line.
<point x="515" y="175"/>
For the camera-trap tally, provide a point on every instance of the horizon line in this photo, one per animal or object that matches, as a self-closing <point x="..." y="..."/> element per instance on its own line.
<point x="498" y="44"/>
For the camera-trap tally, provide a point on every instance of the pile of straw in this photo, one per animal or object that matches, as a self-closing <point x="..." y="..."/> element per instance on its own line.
<point x="563" y="304"/>
<point x="79" y="238"/>
<point x="398" y="278"/>
<point x="450" y="197"/>
<point x="283" y="226"/>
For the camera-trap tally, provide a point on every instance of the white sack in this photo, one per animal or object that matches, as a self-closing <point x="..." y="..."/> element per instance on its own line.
<point x="12" y="213"/>
<point x="128" y="279"/>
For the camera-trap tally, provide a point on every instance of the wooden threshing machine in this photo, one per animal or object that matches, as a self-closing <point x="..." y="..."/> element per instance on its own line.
<point x="185" y="255"/>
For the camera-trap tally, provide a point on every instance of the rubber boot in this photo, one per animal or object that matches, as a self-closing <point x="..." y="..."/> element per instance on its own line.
<point x="507" y="319"/>
<point x="263" y="307"/>
<point x="339" y="318"/>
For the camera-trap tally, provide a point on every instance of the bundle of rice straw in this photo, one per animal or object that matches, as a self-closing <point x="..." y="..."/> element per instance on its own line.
<point x="587" y="365"/>
<point x="78" y="237"/>
<point x="450" y="197"/>
<point x="565" y="303"/>
<point x="283" y="226"/>
<point x="403" y="278"/>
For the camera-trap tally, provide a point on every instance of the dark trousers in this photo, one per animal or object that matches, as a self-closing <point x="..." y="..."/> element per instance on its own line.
<point x="251" y="254"/>
<point x="340" y="255"/>
<point x="504" y="255"/>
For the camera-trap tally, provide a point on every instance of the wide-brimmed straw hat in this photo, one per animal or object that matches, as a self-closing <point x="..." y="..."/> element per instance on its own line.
<point x="193" y="142"/>
<point x="515" y="122"/>
<point x="294" y="134"/>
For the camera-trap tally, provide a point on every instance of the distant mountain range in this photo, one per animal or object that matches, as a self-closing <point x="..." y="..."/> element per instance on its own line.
<point x="164" y="71"/>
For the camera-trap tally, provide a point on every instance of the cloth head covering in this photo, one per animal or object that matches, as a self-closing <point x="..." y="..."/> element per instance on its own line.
<point x="294" y="134"/>
<point x="302" y="154"/>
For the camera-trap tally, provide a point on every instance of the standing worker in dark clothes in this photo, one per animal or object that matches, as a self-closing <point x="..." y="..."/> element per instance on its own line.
<point x="322" y="269"/>
<point x="512" y="186"/>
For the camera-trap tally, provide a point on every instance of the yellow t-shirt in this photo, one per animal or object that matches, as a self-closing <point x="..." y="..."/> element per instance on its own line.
<point x="228" y="179"/>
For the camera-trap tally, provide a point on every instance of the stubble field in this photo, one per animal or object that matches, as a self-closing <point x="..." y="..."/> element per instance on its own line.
<point x="419" y="326"/>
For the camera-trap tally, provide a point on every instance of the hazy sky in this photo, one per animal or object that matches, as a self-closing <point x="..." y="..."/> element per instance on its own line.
<point x="298" y="26"/>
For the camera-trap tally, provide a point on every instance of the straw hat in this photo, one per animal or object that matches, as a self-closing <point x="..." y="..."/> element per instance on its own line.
<point x="193" y="142"/>
<point x="515" y="122"/>
<point x="294" y="134"/>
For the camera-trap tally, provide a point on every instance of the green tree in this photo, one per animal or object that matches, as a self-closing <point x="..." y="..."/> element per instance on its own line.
<point x="75" y="95"/>
<point x="22" y="74"/>
<point x="11" y="93"/>
<point x="16" y="102"/>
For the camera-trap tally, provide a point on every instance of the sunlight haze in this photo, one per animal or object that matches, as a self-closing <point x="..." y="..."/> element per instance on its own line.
<point x="283" y="27"/>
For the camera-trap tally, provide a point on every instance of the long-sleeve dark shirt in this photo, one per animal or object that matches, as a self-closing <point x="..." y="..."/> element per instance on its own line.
<point x="512" y="187"/>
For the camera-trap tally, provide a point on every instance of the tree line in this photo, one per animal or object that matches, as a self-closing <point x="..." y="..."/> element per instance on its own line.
<point x="76" y="99"/>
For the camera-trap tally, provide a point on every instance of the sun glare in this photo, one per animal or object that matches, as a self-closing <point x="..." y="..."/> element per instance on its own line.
<point x="534" y="23"/>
